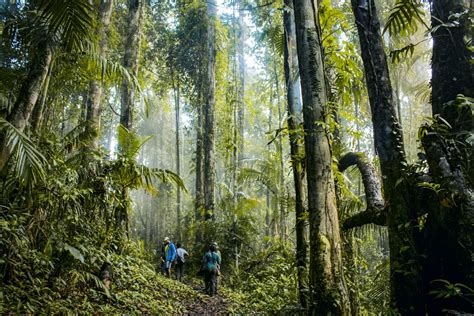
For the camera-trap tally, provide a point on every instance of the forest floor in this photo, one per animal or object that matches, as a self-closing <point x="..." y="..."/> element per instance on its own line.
<point x="137" y="288"/>
<point x="217" y="304"/>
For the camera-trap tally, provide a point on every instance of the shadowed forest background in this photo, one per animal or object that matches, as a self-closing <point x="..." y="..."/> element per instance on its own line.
<point x="325" y="145"/>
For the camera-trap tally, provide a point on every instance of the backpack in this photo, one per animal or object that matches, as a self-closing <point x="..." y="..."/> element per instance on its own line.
<point x="179" y="260"/>
<point x="211" y="261"/>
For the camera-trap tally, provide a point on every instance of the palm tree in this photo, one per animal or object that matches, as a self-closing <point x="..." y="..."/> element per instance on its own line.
<point x="57" y="25"/>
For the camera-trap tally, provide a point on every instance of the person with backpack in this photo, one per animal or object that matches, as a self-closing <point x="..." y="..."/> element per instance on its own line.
<point x="211" y="261"/>
<point x="180" y="260"/>
<point x="219" y="268"/>
<point x="170" y="256"/>
<point x="162" y="260"/>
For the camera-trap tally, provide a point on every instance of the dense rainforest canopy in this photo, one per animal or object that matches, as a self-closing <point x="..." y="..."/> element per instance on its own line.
<point x="326" y="146"/>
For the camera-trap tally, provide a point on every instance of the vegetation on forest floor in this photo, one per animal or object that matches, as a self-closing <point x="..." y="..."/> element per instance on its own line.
<point x="136" y="289"/>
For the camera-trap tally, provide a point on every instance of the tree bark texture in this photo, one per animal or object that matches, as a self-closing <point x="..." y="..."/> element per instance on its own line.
<point x="199" y="198"/>
<point x="95" y="85"/>
<point x="282" y="192"/>
<point x="452" y="70"/>
<point x="450" y="223"/>
<point x="294" y="131"/>
<point x="328" y="290"/>
<point x="130" y="61"/>
<point x="29" y="92"/>
<point x="449" y="228"/>
<point x="405" y="271"/>
<point x="209" y="109"/>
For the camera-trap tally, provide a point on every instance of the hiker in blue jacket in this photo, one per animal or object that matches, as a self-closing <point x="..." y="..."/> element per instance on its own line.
<point x="212" y="262"/>
<point x="170" y="255"/>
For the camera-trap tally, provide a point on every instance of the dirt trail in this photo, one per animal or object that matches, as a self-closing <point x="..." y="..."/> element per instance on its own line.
<point x="211" y="305"/>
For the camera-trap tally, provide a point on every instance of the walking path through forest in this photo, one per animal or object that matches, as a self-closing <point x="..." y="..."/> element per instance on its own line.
<point x="216" y="304"/>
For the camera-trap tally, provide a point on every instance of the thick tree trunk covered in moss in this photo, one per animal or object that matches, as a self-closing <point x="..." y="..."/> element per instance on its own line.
<point x="450" y="226"/>
<point x="209" y="109"/>
<point x="294" y="132"/>
<point x="452" y="70"/>
<point x="95" y="85"/>
<point x="28" y="95"/>
<point x="328" y="290"/>
<point x="130" y="60"/>
<point x="450" y="223"/>
<point x="405" y="272"/>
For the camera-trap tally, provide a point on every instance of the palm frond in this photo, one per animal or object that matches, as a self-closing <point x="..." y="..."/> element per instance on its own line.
<point x="113" y="70"/>
<point x="262" y="177"/>
<point x="28" y="163"/>
<point x="422" y="92"/>
<point x="73" y="21"/>
<point x="167" y="176"/>
<point x="405" y="17"/>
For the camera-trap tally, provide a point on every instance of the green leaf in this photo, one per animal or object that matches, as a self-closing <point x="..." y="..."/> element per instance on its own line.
<point x="74" y="252"/>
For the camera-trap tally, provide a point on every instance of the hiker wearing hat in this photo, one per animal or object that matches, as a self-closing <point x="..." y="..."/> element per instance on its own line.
<point x="170" y="255"/>
<point x="212" y="263"/>
<point x="219" y="266"/>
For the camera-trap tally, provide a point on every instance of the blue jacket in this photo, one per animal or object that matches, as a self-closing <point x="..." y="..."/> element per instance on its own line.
<point x="171" y="254"/>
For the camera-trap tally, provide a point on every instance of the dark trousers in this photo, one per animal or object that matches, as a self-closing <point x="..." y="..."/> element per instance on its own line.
<point x="211" y="282"/>
<point x="179" y="269"/>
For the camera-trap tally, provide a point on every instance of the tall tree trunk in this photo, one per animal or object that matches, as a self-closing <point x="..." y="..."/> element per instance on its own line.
<point x="29" y="92"/>
<point x="38" y="111"/>
<point x="270" y="231"/>
<point x="405" y="271"/>
<point x="178" y="160"/>
<point x="95" y="85"/>
<point x="452" y="70"/>
<point x="450" y="224"/>
<point x="294" y="132"/>
<point x="199" y="199"/>
<point x="282" y="185"/>
<point x="130" y="61"/>
<point x="241" y="86"/>
<point x="327" y="286"/>
<point x="209" y="124"/>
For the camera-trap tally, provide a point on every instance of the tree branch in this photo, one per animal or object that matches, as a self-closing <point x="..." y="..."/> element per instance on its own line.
<point x="369" y="216"/>
<point x="376" y="212"/>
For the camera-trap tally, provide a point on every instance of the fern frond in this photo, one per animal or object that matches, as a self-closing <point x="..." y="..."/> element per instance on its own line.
<point x="129" y="142"/>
